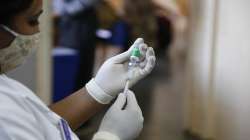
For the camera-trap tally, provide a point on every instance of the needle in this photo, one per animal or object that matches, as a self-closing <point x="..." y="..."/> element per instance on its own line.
<point x="126" y="88"/>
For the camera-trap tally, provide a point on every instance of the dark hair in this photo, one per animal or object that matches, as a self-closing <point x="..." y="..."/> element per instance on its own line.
<point x="10" y="8"/>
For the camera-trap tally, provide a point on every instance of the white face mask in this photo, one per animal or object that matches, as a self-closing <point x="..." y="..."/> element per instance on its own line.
<point x="14" y="55"/>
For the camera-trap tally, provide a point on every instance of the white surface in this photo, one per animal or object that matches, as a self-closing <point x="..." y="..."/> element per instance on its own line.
<point x="44" y="60"/>
<point x="61" y="51"/>
<point x="233" y="70"/>
<point x="227" y="67"/>
<point x="104" y="34"/>
<point x="200" y="60"/>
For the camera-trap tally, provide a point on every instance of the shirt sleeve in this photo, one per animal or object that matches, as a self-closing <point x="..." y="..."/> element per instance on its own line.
<point x="17" y="122"/>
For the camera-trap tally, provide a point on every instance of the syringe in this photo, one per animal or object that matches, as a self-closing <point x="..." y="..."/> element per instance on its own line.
<point x="133" y="63"/>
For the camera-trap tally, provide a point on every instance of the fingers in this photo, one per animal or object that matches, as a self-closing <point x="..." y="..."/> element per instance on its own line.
<point x="143" y="50"/>
<point x="120" y="102"/>
<point x="150" y="62"/>
<point x="125" y="56"/>
<point x="131" y="100"/>
<point x="132" y="103"/>
<point x="137" y="42"/>
<point x="150" y="53"/>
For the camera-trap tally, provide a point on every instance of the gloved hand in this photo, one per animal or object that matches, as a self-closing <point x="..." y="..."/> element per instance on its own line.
<point x="119" y="124"/>
<point x="113" y="74"/>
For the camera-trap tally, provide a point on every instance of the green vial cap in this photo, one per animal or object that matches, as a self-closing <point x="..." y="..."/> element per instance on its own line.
<point x="136" y="52"/>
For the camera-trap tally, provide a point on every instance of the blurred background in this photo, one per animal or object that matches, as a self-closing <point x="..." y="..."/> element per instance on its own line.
<point x="200" y="87"/>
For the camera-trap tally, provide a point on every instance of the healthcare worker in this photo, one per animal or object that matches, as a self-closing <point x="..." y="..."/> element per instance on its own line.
<point x="23" y="116"/>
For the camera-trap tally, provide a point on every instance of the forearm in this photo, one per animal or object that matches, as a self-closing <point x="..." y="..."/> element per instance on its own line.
<point x="77" y="108"/>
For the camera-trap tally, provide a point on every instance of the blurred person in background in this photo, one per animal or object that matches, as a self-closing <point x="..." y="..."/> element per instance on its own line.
<point x="113" y="31"/>
<point x="144" y="21"/>
<point x="140" y="16"/>
<point x="76" y="29"/>
<point x="25" y="117"/>
<point x="176" y="12"/>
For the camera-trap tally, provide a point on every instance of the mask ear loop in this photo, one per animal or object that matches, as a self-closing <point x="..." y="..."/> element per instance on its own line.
<point x="9" y="30"/>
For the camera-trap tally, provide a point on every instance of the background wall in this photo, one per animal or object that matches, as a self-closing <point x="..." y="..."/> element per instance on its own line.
<point x="219" y="73"/>
<point x="200" y="65"/>
<point x="232" y="75"/>
<point x="26" y="73"/>
<point x="44" y="59"/>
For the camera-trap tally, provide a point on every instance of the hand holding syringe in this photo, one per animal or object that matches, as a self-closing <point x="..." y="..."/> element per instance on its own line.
<point x="113" y="75"/>
<point x="134" y="63"/>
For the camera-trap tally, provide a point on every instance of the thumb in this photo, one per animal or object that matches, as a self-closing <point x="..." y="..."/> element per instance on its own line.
<point x="131" y="101"/>
<point x="120" y="101"/>
<point x="150" y="62"/>
<point x="125" y="56"/>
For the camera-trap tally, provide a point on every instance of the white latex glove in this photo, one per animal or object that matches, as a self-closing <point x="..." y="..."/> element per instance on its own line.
<point x="119" y="123"/>
<point x="113" y="74"/>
